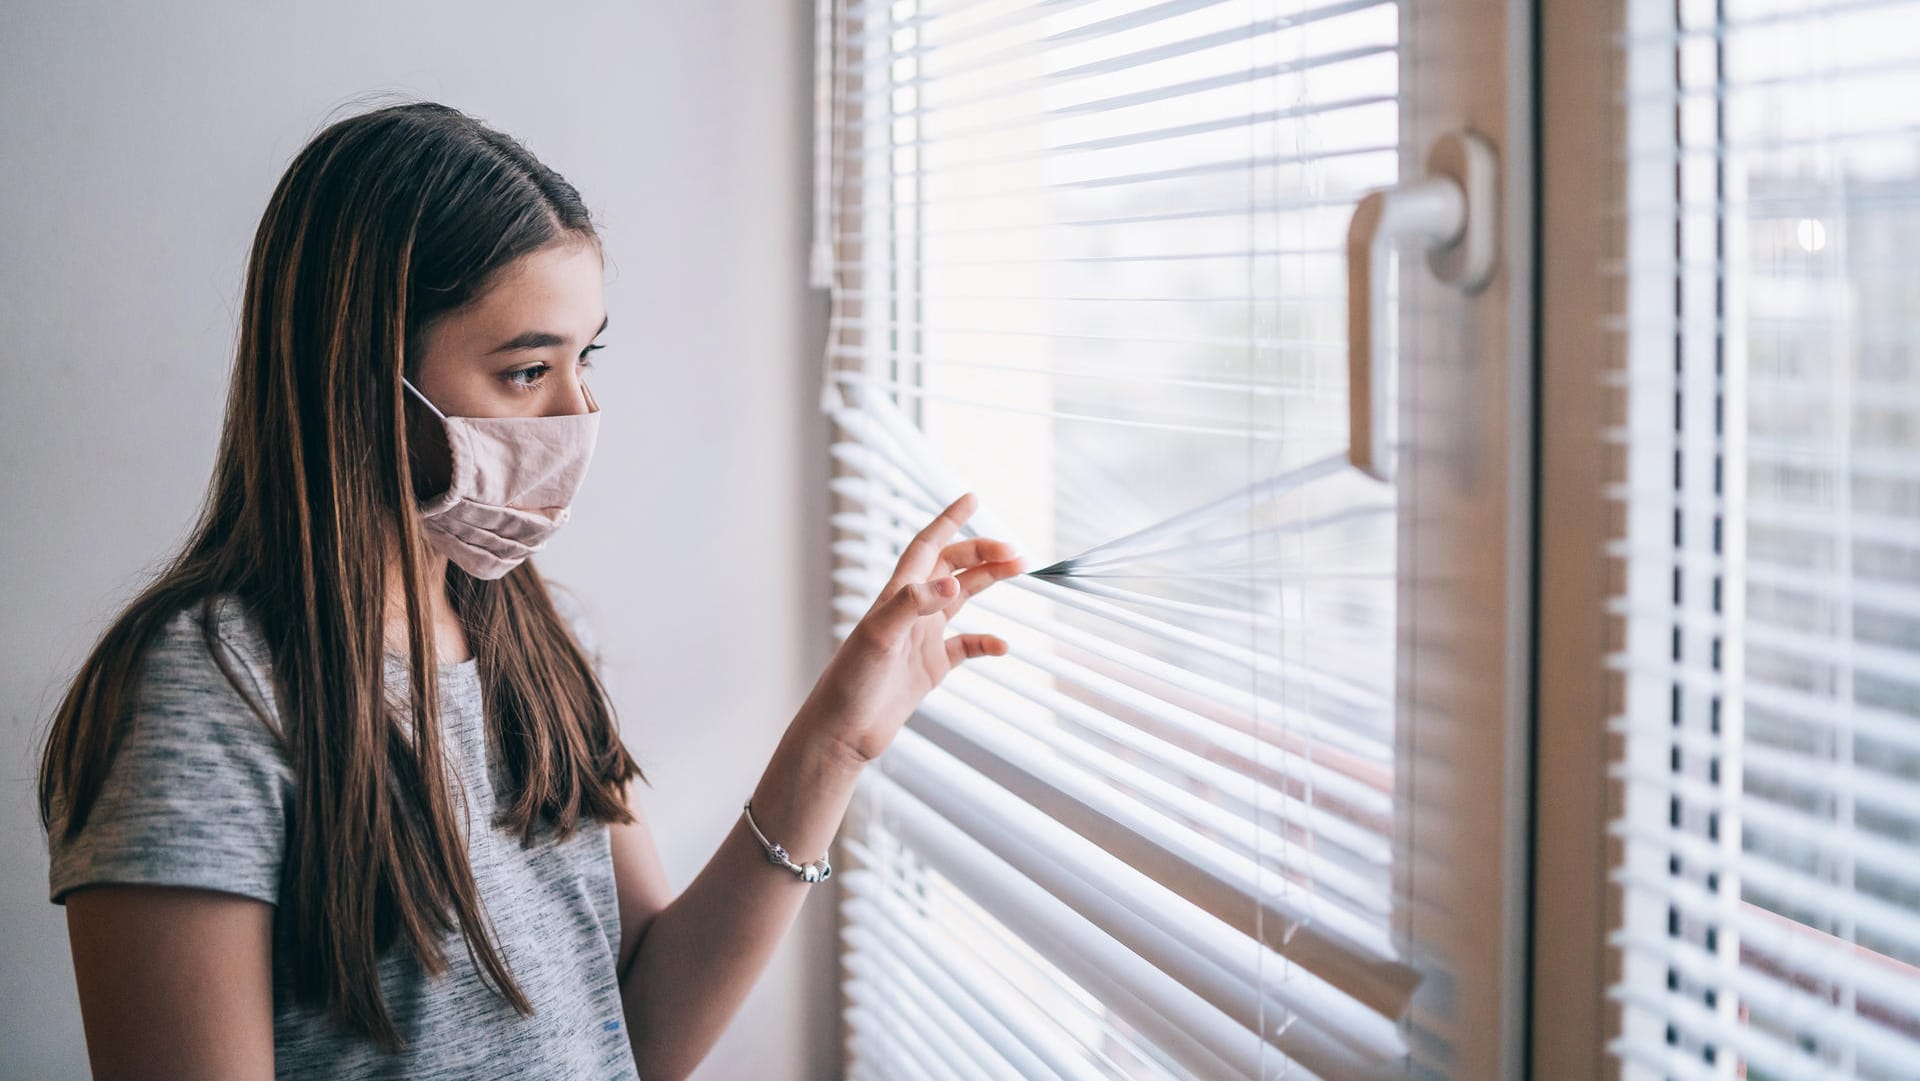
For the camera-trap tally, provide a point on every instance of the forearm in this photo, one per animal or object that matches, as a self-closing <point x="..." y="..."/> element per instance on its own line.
<point x="704" y="951"/>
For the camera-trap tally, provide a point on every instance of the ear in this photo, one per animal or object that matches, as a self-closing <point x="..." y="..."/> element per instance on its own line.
<point x="429" y="458"/>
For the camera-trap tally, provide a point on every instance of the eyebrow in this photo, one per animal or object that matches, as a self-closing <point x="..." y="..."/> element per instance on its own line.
<point x="538" y="339"/>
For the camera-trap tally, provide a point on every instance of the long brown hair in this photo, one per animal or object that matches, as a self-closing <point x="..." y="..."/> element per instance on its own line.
<point x="383" y="223"/>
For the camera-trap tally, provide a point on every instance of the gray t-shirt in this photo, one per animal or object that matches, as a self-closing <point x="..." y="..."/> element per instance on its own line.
<point x="201" y="795"/>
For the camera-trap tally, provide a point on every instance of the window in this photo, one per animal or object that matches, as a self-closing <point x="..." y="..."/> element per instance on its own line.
<point x="1768" y="547"/>
<point x="1087" y="259"/>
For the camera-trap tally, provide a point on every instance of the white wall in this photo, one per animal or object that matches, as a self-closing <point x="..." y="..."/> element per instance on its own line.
<point x="140" y="144"/>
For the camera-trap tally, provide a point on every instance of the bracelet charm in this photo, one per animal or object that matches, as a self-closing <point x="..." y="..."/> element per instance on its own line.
<point x="777" y="854"/>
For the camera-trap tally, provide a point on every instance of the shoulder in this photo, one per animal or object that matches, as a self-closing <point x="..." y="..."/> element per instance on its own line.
<point x="197" y="717"/>
<point x="197" y="784"/>
<point x="209" y="655"/>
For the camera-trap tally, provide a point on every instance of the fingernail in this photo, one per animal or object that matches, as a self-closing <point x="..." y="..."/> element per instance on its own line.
<point x="945" y="587"/>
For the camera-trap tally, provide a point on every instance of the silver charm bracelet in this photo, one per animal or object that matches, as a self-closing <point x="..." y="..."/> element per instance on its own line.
<point x="777" y="855"/>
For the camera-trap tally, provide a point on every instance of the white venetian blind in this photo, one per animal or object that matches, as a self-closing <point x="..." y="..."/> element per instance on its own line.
<point x="1769" y="547"/>
<point x="1085" y="259"/>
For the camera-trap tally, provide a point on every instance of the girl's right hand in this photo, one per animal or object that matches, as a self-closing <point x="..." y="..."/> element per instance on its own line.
<point x="899" y="651"/>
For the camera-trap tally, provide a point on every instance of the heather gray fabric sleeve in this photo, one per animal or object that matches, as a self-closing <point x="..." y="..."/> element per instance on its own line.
<point x="199" y="791"/>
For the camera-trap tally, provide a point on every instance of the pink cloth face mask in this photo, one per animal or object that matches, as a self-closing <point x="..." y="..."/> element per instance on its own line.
<point x="513" y="478"/>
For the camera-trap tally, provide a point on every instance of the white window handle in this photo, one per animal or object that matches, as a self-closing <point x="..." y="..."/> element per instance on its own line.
<point x="1452" y="210"/>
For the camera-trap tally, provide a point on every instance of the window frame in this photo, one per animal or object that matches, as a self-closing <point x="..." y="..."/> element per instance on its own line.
<point x="1573" y="903"/>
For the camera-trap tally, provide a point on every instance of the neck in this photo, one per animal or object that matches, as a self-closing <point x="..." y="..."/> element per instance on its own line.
<point x="449" y="638"/>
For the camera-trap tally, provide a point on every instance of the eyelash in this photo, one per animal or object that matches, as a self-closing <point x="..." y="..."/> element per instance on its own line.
<point x="539" y="371"/>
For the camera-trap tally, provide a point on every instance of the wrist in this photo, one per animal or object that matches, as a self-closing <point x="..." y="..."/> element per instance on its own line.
<point x="816" y="871"/>
<point x="836" y="754"/>
<point x="837" y="747"/>
<point x="801" y="798"/>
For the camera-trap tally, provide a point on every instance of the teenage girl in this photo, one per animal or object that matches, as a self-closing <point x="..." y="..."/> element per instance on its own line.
<point x="340" y="794"/>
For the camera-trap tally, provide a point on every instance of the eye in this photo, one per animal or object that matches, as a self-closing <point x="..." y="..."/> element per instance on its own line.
<point x="527" y="378"/>
<point x="584" y="362"/>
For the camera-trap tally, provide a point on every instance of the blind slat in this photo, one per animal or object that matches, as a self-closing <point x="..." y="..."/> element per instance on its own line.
<point x="1337" y="946"/>
<point x="1253" y="388"/>
<point x="1686" y="1014"/>
<point x="1186" y="1026"/>
<point x="900" y="1000"/>
<point x="1868" y="851"/>
<point x="881" y="1040"/>
<point x="1174" y="955"/>
<point x="1335" y="728"/>
<point x="1132" y="136"/>
<point x="919" y="916"/>
<point x="856" y="84"/>
<point x="968" y="194"/>
<point x="1885" y="921"/>
<point x="1197" y="210"/>
<point x="1790" y="942"/>
<point x="1862" y="784"/>
<point x="1250" y="831"/>
<point x="1106" y="1043"/>
<point x="1881" y="1047"/>
<point x="1351" y="717"/>
<point x="878" y="79"/>
<point x="1018" y="18"/>
<point x="1020" y="1046"/>
<point x="905" y="894"/>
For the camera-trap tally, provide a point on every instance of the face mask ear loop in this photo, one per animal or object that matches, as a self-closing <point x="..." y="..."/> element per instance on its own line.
<point x="423" y="398"/>
<point x="593" y="403"/>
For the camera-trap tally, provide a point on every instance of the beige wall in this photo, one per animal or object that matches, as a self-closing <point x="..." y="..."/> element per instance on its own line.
<point x="140" y="145"/>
